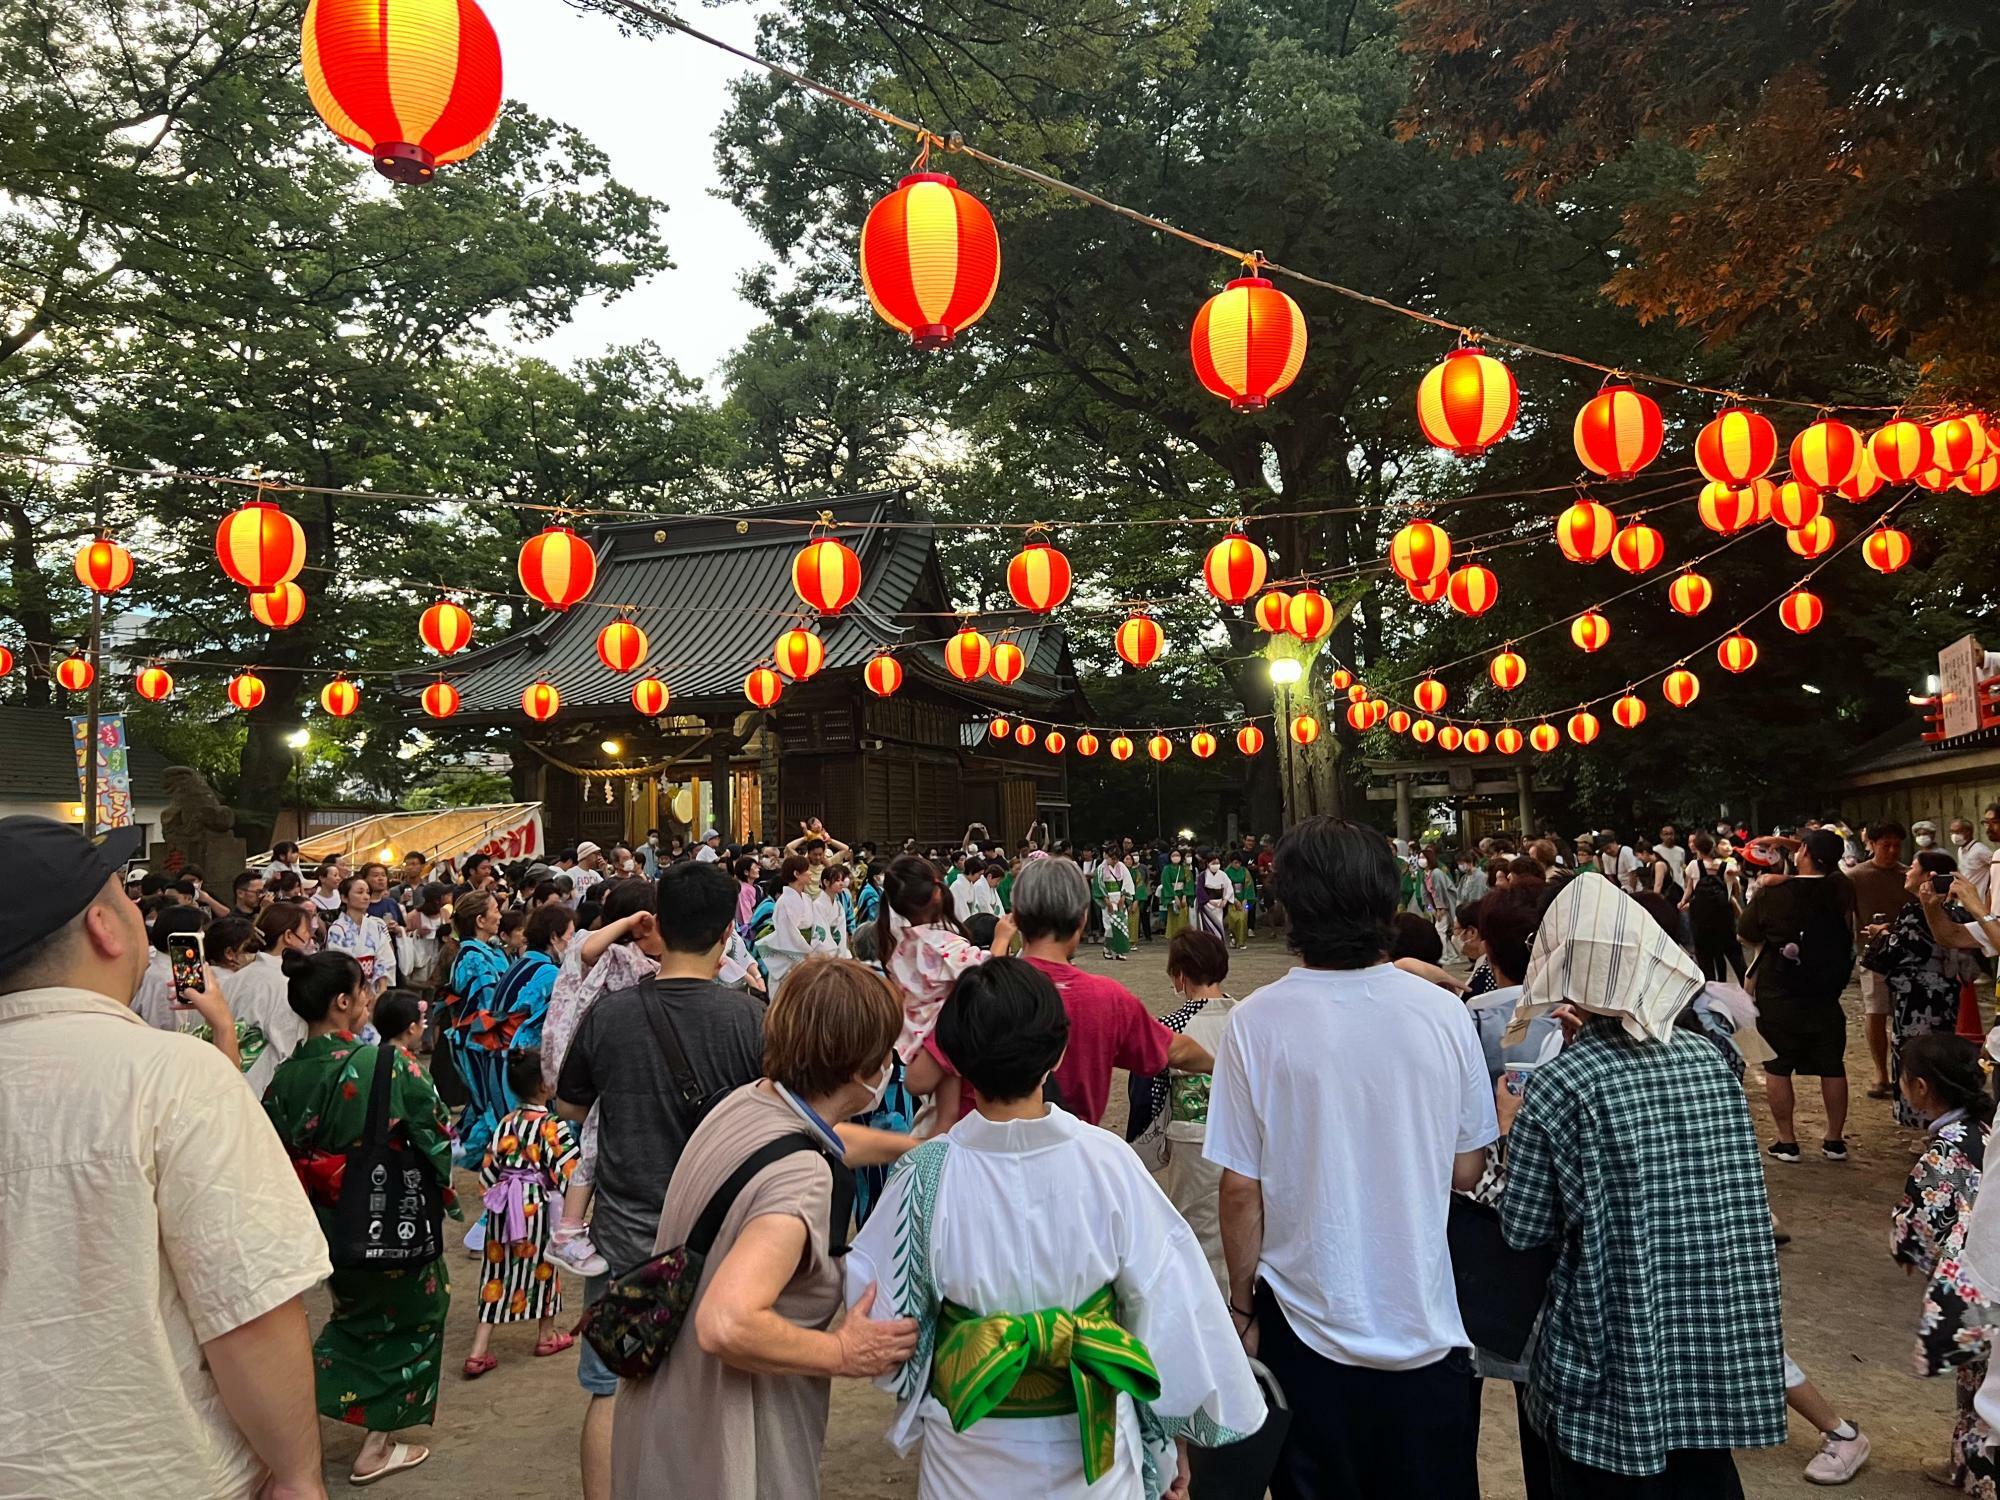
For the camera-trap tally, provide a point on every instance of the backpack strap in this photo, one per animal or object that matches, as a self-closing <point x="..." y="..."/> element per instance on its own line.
<point x="653" y="1004"/>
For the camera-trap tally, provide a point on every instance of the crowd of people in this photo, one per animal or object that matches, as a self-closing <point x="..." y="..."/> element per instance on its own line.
<point x="804" y="1112"/>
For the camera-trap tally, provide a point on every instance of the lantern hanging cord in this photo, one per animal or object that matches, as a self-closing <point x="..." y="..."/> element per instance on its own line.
<point x="957" y="144"/>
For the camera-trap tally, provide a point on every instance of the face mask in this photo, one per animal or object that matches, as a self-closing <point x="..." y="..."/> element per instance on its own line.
<point x="878" y="1088"/>
<point x="1925" y="840"/>
<point x="1958" y="839"/>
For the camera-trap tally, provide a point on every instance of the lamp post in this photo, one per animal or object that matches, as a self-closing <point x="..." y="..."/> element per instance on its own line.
<point x="1286" y="672"/>
<point x="298" y="739"/>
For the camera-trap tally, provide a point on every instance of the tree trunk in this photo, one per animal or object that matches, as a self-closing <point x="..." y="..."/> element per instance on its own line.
<point x="32" y="611"/>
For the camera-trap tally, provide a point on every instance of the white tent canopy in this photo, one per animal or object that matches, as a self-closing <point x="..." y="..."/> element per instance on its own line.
<point x="505" y="830"/>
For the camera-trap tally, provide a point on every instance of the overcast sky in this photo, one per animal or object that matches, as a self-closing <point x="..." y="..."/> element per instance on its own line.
<point x="652" y="106"/>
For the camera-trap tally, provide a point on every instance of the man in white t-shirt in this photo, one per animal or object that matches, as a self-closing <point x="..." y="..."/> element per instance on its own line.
<point x="709" y="850"/>
<point x="589" y="869"/>
<point x="972" y="894"/>
<point x="1975" y="856"/>
<point x="1349" y="1100"/>
<point x="1618" y="860"/>
<point x="1673" y="852"/>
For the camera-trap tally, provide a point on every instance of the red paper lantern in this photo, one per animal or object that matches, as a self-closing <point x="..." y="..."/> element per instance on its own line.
<point x="1249" y="739"/>
<point x="1585" y="531"/>
<point x="1086" y="744"/>
<point x="1797" y="504"/>
<point x="340" y="697"/>
<point x="540" y="700"/>
<point x="1038" y="577"/>
<point x="6" y="661"/>
<point x="1812" y="539"/>
<point x="763" y="687"/>
<point x="1234" y="568"/>
<point x="1508" y="669"/>
<point x="826" y="575"/>
<point x="1680" y="687"/>
<point x="1629" y="712"/>
<point x="1340" y="679"/>
<point x="1248" y="342"/>
<point x="1885" y="549"/>
<point x="883" y="674"/>
<point x="557" y="567"/>
<point x="1467" y="403"/>
<point x="1827" y="453"/>
<point x="1429" y="591"/>
<point x="414" y="83"/>
<point x="1726" y="508"/>
<point x="1690" y="594"/>
<point x="441" y="699"/>
<point x="1763" y="497"/>
<point x="1801" y="611"/>
<point x="650" y="697"/>
<point x="153" y="684"/>
<point x="968" y="654"/>
<point x="1423" y="731"/>
<point x="1008" y="663"/>
<point x="1450" y="737"/>
<point x="1590" y="630"/>
<point x="1738" y="446"/>
<point x="1399" y="721"/>
<point x="1273" y="612"/>
<point x="1583" y="727"/>
<point x="75" y="674"/>
<point x="1420" y="552"/>
<point x="1139" y="641"/>
<point x="1024" y="735"/>
<point x="1055" y="743"/>
<point x="1310" y="615"/>
<point x="1957" y="443"/>
<point x="1202" y="746"/>
<point x="1159" y="747"/>
<point x="1544" y="737"/>
<point x="1360" y="716"/>
<point x="1000" y="728"/>
<point x="1477" y="740"/>
<point x="260" y="546"/>
<point x="1305" y="728"/>
<point x="930" y="259"/>
<point x="246" y="690"/>
<point x="799" y="654"/>
<point x="1862" y="484"/>
<point x="1429" y="695"/>
<point x="1357" y="692"/>
<point x="1472" y="589"/>
<point x="1983" y="478"/>
<point x="278" y="608"/>
<point x="1638" y="548"/>
<point x="103" y="566"/>
<point x="1508" y="741"/>
<point x="1936" y="479"/>
<point x="1737" y="653"/>
<point x="1618" y="432"/>
<point x="1121" y="748"/>
<point x="622" y="645"/>
<point x="1901" y="450"/>
<point x="446" y="628"/>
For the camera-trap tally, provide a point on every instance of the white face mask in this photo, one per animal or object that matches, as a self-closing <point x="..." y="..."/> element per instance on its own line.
<point x="878" y="1088"/>
<point x="1925" y="840"/>
<point x="1958" y="839"/>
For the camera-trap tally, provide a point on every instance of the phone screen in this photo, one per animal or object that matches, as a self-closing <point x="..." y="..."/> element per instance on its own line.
<point x="1941" y="884"/>
<point x="184" y="951"/>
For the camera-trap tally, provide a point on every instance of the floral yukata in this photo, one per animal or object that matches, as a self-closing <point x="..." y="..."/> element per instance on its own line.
<point x="1923" y="982"/>
<point x="527" y="1168"/>
<point x="376" y="1362"/>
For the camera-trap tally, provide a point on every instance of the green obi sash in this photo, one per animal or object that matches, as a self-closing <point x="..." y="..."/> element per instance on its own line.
<point x="1014" y="1365"/>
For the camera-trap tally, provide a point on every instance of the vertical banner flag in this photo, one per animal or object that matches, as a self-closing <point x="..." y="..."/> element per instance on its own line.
<point x="114" y="769"/>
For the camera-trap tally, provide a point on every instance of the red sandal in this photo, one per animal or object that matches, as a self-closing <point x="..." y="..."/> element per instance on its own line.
<point x="477" y="1365"/>
<point x="555" y="1343"/>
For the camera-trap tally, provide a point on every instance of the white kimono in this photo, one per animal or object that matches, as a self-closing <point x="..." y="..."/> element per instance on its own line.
<point x="797" y="932"/>
<point x="257" y="993"/>
<point x="1026" y="1215"/>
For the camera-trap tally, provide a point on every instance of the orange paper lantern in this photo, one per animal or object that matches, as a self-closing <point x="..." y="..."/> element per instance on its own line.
<point x="246" y="690"/>
<point x="1430" y="591"/>
<point x="1508" y="670"/>
<point x="103" y="566"/>
<point x="1008" y="663"/>
<point x="1629" y="712"/>
<point x="1477" y="740"/>
<point x="1360" y="716"/>
<point x="1273" y="612"/>
<point x="1038" y="577"/>
<point x="1726" y="508"/>
<point x="1399" y="721"/>
<point x="1340" y="679"/>
<point x="1139" y="641"/>
<point x="278" y="608"/>
<point x="1202" y="746"/>
<point x="154" y="684"/>
<point x="1450" y="737"/>
<point x="540" y="700"/>
<point x="1357" y="692"/>
<point x="445" y="628"/>
<point x="1055" y="743"/>
<point x="1024" y="735"/>
<point x="621" y="646"/>
<point x="440" y="699"/>
<point x="1121" y="747"/>
<point x="1423" y="731"/>
<point x="1738" y="446"/>
<point x="1310" y="615"/>
<point x="1544" y="737"/>
<point x="557" y="567"/>
<point x="763" y="687"/>
<point x="968" y="654"/>
<point x="1420" y="552"/>
<point x="1086" y="744"/>
<point x="1797" y="504"/>
<point x="1508" y="740"/>
<point x="1737" y="653"/>
<point x="1801" y="611"/>
<point x="883" y="675"/>
<point x="930" y="259"/>
<point x="826" y="575"/>
<point x="1000" y="728"/>
<point x="1248" y="343"/>
<point x="1862" y="484"/>
<point x="1590" y="630"/>
<point x="260" y="546"/>
<point x="650" y="697"/>
<point x="1957" y="443"/>
<point x="1690" y="594"/>
<point x="1429" y="695"/>
<point x="1812" y="539"/>
<point x="340" y="697"/>
<point x="1618" y="432"/>
<point x="1827" y="453"/>
<point x="1234" y="568"/>
<point x="1983" y="478"/>
<point x="1305" y="728"/>
<point x="1680" y="687"/>
<point x="1584" y="727"/>
<point x="1638" y="548"/>
<point x="6" y="661"/>
<point x="1159" y="747"/>
<point x="75" y="674"/>
<point x="1901" y="450"/>
<point x="1885" y="549"/>
<point x="799" y="654"/>
<point x="1472" y="589"/>
<point x="1467" y="402"/>
<point x="1585" y="531"/>
<point x="1249" y="739"/>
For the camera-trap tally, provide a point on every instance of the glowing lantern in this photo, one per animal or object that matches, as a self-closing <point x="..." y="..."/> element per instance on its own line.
<point x="260" y="546"/>
<point x="1827" y="453"/>
<point x="799" y="654"/>
<point x="1423" y="731"/>
<point x="1467" y="403"/>
<point x="1249" y="739"/>
<point x="1086" y="744"/>
<point x="1638" y="548"/>
<point x="1450" y="737"/>
<point x="1901" y="450"/>
<point x="650" y="697"/>
<point x="826" y="575"/>
<point x="1234" y="568"/>
<point x="1737" y="447"/>
<point x="1690" y="594"/>
<point x="1618" y="432"/>
<point x="1429" y="695"/>
<point x="1024" y="735"/>
<point x="1121" y="747"/>
<point x="1763" y="497"/>
<point x="1629" y="712"/>
<point x="1038" y="577"/>
<point x="1585" y="530"/>
<point x="1508" y="670"/>
<point x="539" y="701"/>
<point x="103" y="566"/>
<point x="1801" y="611"/>
<point x="340" y="697"/>
<point x="1583" y="727"/>
<point x="1273" y="612"/>
<point x="1399" y="721"/>
<point x="1472" y="589"/>
<point x="1430" y="591"/>
<point x="75" y="674"/>
<point x="6" y="661"/>
<point x="1055" y="743"/>
<point x="1360" y="716"/>
<point x="1936" y="480"/>
<point x="1139" y="641"/>
<point x="930" y="259"/>
<point x="557" y="567"/>
<point x="1000" y="728"/>
<point x="414" y="83"/>
<point x="278" y="608"/>
<point x="1544" y="737"/>
<point x="153" y="683"/>
<point x="1248" y="342"/>
<point x="1508" y="741"/>
<point x="1983" y="478"/>
<point x="1202" y="746"/>
<point x="1378" y="710"/>
<point x="1737" y="653"/>
<point x="440" y="699"/>
<point x="1590" y="630"/>
<point x="246" y="690"/>
<point x="445" y="628"/>
<point x="968" y="654"/>
<point x="1813" y="539"/>
<point x="1008" y="663"/>
<point x="763" y="687"/>
<point x="1305" y="728"/>
<point x="1340" y="679"/>
<point x="1357" y="692"/>
<point x="1420" y="552"/>
<point x="1863" y="482"/>
<point x="1725" y="508"/>
<point x="1957" y="443"/>
<point x="883" y="674"/>
<point x="1797" y="504"/>
<point x="621" y="646"/>
<point x="1310" y="615"/>
<point x="1477" y="740"/>
<point x="1159" y="747"/>
<point x="1680" y="687"/>
<point x="1885" y="549"/>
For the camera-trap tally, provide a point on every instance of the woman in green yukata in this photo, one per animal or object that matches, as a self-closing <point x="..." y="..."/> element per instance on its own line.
<point x="1176" y="892"/>
<point x="1114" y="897"/>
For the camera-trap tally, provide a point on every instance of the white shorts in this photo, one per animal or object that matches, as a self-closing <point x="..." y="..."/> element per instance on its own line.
<point x="1875" y="997"/>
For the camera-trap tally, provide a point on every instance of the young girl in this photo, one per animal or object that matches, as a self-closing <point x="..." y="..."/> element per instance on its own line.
<point x="1197" y="964"/>
<point x="526" y="1169"/>
<point x="399" y="1017"/>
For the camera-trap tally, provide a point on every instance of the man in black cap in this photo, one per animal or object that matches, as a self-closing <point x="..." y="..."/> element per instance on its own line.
<point x="155" y="1241"/>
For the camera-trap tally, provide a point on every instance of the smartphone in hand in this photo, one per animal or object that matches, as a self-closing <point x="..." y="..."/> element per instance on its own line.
<point x="184" y="953"/>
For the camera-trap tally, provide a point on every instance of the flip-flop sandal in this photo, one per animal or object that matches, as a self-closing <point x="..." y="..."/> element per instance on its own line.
<point x="1881" y="1091"/>
<point x="477" y="1365"/>
<point x="401" y="1457"/>
<point x="554" y="1344"/>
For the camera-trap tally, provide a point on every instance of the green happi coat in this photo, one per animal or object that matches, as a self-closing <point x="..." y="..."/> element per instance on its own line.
<point x="377" y="1360"/>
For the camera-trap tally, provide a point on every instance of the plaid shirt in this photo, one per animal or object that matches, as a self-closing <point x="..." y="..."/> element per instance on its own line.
<point x="1661" y="1330"/>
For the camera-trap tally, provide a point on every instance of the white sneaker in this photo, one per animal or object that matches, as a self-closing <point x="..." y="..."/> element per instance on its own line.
<point x="576" y="1254"/>
<point x="1839" y="1459"/>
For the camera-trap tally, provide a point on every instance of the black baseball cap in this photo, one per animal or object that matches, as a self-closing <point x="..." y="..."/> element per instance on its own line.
<point x="69" y="873"/>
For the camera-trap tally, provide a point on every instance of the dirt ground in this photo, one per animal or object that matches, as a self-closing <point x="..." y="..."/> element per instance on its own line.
<point x="1850" y="1317"/>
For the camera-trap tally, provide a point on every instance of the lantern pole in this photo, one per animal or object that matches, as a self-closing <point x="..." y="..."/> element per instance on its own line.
<point x="96" y="652"/>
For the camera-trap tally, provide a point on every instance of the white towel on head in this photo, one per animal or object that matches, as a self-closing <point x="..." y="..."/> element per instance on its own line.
<point x="1599" y="951"/>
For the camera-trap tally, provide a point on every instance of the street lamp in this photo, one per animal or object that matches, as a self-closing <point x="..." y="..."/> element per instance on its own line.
<point x="298" y="739"/>
<point x="1286" y="670"/>
<point x="611" y="748"/>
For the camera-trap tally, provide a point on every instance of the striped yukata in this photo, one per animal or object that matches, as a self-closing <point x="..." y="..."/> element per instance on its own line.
<point x="526" y="1168"/>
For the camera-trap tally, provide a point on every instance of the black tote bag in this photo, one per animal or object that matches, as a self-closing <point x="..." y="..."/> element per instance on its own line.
<point x="390" y="1213"/>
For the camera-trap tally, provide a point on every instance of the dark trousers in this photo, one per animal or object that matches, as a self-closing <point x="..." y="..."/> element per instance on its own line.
<point x="1691" y="1474"/>
<point x="1360" y="1434"/>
